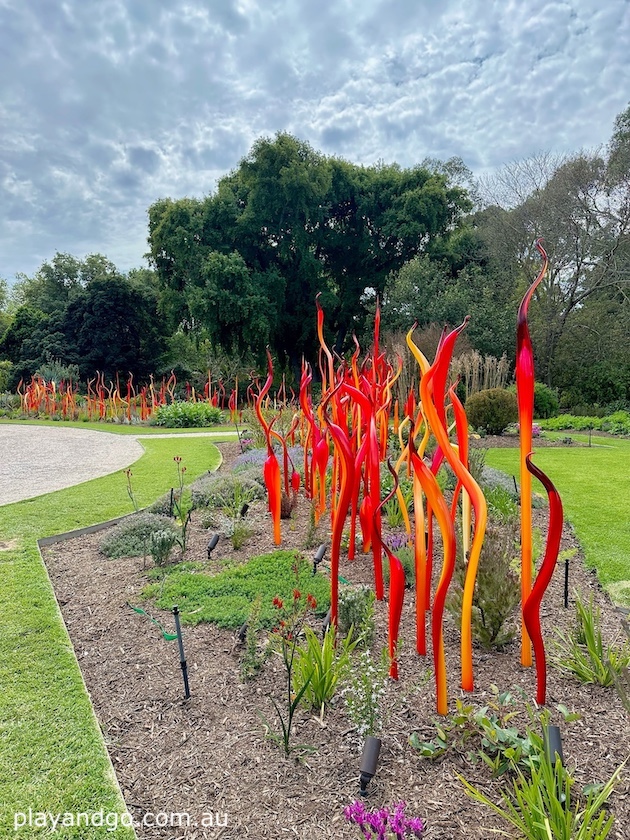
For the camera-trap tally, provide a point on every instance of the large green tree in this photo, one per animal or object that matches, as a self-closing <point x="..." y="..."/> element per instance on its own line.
<point x="580" y="206"/>
<point x="110" y="327"/>
<point x="84" y="312"/>
<point x="246" y="263"/>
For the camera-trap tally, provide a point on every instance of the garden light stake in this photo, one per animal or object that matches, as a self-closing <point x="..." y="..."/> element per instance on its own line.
<point x="182" y="657"/>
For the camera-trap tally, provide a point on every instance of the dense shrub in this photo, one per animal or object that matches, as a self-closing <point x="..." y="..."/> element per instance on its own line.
<point x="183" y="415"/>
<point x="132" y="536"/>
<point x="497" y="587"/>
<point x="617" y="423"/>
<point x="356" y="611"/>
<point x="545" y="401"/>
<point x="224" y="491"/>
<point x="6" y="369"/>
<point x="492" y="410"/>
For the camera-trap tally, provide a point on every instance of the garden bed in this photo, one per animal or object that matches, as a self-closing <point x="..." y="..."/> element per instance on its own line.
<point x="209" y="754"/>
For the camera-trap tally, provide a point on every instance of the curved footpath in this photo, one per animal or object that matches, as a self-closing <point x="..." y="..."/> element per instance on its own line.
<point x="35" y="460"/>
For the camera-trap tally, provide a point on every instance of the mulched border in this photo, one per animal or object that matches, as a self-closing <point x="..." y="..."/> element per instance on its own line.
<point x="210" y="755"/>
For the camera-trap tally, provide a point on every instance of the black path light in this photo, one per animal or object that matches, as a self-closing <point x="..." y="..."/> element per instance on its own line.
<point x="553" y="744"/>
<point x="552" y="741"/>
<point x="212" y="544"/>
<point x="182" y="657"/>
<point x="369" y="762"/>
<point x="319" y="556"/>
<point x="326" y="622"/>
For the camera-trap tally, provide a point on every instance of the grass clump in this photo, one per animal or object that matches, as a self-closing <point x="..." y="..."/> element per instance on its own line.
<point x="320" y="665"/>
<point x="161" y="544"/>
<point x="133" y="536"/>
<point x="406" y="555"/>
<point x="583" y="653"/>
<point x="545" y="806"/>
<point x="225" y="599"/>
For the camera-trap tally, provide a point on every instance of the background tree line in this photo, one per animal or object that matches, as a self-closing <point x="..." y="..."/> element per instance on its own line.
<point x="239" y="270"/>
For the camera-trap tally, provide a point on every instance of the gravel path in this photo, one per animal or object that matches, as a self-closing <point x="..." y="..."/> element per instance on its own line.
<point x="39" y="459"/>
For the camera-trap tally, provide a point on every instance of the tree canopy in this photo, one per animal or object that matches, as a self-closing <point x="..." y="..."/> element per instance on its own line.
<point x="239" y="270"/>
<point x="84" y="313"/>
<point x="246" y="263"/>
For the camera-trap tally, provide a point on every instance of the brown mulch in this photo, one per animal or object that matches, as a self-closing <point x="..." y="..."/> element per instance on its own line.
<point x="511" y="442"/>
<point x="210" y="754"/>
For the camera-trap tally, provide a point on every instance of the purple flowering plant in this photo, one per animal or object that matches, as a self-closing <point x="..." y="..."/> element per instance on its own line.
<point x="384" y="823"/>
<point x="536" y="429"/>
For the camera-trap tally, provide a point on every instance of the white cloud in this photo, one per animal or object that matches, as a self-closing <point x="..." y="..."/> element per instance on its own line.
<point x="107" y="105"/>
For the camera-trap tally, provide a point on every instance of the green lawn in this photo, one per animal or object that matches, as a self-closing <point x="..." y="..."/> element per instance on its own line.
<point x="594" y="483"/>
<point x="121" y="428"/>
<point x="52" y="756"/>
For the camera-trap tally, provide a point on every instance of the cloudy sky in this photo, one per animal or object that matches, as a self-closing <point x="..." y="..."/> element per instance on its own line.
<point x="107" y="105"/>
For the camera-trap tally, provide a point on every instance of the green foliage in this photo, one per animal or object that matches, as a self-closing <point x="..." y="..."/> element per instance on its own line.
<point x="545" y="401"/>
<point x="323" y="216"/>
<point x="617" y="423"/>
<point x="501" y="504"/>
<point x="497" y="588"/>
<point x="255" y="430"/>
<point x="160" y="545"/>
<point x="487" y="733"/>
<point x="235" y="528"/>
<point x="544" y="806"/>
<point x="356" y="612"/>
<point x="477" y="463"/>
<point x="393" y="514"/>
<point x="320" y="666"/>
<point x="111" y="326"/>
<point x="583" y="653"/>
<point x="6" y="369"/>
<point x="292" y="618"/>
<point x="231" y="494"/>
<point x="184" y="415"/>
<point x="228" y="492"/>
<point x="407" y="557"/>
<point x="492" y="410"/>
<point x="225" y="599"/>
<point x="54" y="370"/>
<point x="364" y="691"/>
<point x="253" y="659"/>
<point x="132" y="536"/>
<point x="182" y="504"/>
